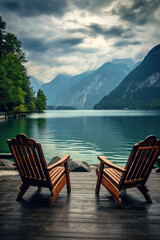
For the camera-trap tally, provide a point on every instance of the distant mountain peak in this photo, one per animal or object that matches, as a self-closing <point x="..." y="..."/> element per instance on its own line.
<point x="128" y="61"/>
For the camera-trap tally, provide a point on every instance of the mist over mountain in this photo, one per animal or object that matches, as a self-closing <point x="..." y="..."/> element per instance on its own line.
<point x="140" y="89"/>
<point x="36" y="84"/>
<point x="53" y="89"/>
<point x="83" y="91"/>
<point x="127" y="61"/>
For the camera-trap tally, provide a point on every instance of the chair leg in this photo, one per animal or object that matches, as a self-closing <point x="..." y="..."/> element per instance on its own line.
<point x="98" y="185"/>
<point x="144" y="190"/>
<point x="68" y="182"/>
<point x="99" y="179"/>
<point x="67" y="177"/>
<point x="52" y="199"/>
<point x="68" y="185"/>
<point x="117" y="200"/>
<point x="23" y="188"/>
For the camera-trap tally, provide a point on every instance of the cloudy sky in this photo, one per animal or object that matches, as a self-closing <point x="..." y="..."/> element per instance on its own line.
<point x="73" y="36"/>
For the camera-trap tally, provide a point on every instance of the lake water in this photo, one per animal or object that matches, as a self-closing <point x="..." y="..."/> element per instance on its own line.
<point x="84" y="134"/>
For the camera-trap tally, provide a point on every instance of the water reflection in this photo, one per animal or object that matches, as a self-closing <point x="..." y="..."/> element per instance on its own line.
<point x="84" y="136"/>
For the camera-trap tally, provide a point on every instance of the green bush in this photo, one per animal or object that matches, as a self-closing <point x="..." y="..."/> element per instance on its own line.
<point x="20" y="109"/>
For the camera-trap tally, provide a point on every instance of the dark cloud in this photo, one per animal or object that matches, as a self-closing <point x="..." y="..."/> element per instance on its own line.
<point x="58" y="8"/>
<point x="93" y="6"/>
<point x="34" y="7"/>
<point x="126" y="43"/>
<point x="68" y="42"/>
<point x="33" y="44"/>
<point x="52" y="56"/>
<point x="43" y="45"/>
<point x="140" y="12"/>
<point x="114" y="31"/>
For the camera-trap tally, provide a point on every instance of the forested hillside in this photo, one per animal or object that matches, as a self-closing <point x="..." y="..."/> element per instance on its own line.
<point x="140" y="89"/>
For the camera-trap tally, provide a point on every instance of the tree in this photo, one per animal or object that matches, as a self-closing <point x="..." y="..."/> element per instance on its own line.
<point x="32" y="106"/>
<point x="40" y="101"/>
<point x="29" y="96"/>
<point x="14" y="78"/>
<point x="16" y="92"/>
<point x="3" y="87"/>
<point x="13" y="45"/>
<point x="2" y="36"/>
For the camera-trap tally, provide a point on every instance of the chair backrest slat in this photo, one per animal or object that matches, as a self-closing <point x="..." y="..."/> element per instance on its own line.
<point x="38" y="164"/>
<point x="141" y="163"/>
<point x="24" y="160"/>
<point x="32" y="162"/>
<point x="42" y="159"/>
<point x="17" y="158"/>
<point x="149" y="163"/>
<point x="142" y="156"/>
<point x="134" y="163"/>
<point x="142" y="159"/>
<point x="29" y="158"/>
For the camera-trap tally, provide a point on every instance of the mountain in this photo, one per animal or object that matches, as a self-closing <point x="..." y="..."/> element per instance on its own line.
<point x="85" y="90"/>
<point x="57" y="88"/>
<point x="53" y="88"/>
<point x="35" y="83"/>
<point x="140" y="89"/>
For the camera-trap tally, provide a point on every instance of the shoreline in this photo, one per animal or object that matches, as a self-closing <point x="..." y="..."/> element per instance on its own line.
<point x="14" y="172"/>
<point x="5" y="116"/>
<point x="7" y="167"/>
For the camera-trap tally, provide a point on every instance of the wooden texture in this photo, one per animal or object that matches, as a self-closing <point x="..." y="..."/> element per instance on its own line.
<point x="32" y="167"/>
<point x="138" y="168"/>
<point x="80" y="215"/>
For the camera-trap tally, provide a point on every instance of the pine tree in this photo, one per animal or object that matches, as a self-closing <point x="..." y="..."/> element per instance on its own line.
<point x="40" y="101"/>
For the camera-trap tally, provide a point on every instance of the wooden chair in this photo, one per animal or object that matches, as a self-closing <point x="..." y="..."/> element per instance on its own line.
<point x="136" y="172"/>
<point x="30" y="161"/>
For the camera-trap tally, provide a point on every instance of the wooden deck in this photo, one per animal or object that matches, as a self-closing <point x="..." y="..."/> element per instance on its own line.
<point x="81" y="215"/>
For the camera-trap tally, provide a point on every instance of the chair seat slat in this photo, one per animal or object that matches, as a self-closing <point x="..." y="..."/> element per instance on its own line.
<point x="58" y="176"/>
<point x="111" y="176"/>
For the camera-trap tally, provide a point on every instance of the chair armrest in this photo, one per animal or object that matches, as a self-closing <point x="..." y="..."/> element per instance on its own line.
<point x="6" y="156"/>
<point x="58" y="163"/>
<point x="112" y="165"/>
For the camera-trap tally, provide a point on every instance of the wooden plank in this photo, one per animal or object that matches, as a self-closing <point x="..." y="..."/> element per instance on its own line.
<point x="81" y="215"/>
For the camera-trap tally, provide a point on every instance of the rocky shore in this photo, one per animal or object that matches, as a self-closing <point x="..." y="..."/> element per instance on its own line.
<point x="8" y="167"/>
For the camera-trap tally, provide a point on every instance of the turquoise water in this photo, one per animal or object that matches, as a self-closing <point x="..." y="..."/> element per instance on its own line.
<point x="84" y="134"/>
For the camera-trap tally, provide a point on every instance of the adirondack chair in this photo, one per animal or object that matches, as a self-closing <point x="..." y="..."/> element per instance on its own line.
<point x="31" y="163"/>
<point x="136" y="172"/>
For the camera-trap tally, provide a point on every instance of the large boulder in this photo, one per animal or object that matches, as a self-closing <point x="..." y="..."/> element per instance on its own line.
<point x="74" y="165"/>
